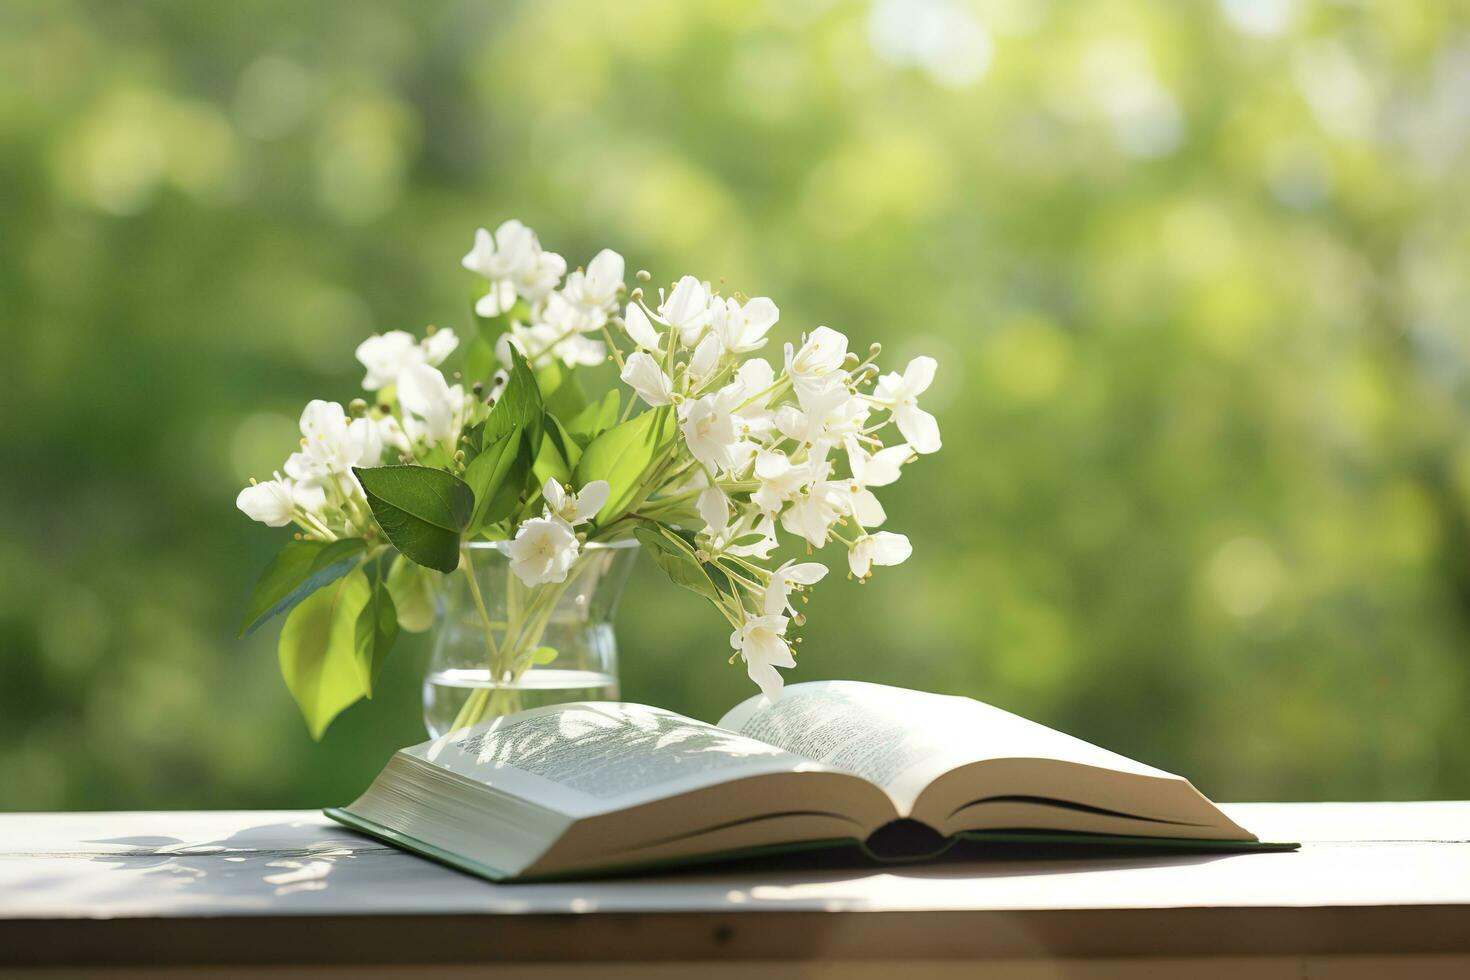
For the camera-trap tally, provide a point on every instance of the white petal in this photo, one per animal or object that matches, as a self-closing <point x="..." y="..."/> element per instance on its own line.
<point x="889" y="548"/>
<point x="705" y="357"/>
<point x="643" y="374"/>
<point x="713" y="509"/>
<point x="919" y="375"/>
<point x="866" y="508"/>
<point x="760" y="315"/>
<point x="606" y="270"/>
<point x="771" y="465"/>
<point x="479" y="256"/>
<point x="756" y="375"/>
<point x="687" y="303"/>
<point x="501" y="297"/>
<point x="323" y="419"/>
<point x="590" y="500"/>
<point x="918" y="427"/>
<point x="766" y="678"/>
<point x="555" y="494"/>
<point x="883" y="467"/>
<point x="805" y="573"/>
<point x="439" y="345"/>
<point x="268" y="502"/>
<point x="423" y="393"/>
<point x="640" y="328"/>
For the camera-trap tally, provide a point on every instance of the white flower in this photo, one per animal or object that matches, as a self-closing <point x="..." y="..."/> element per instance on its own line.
<point x="386" y="355"/>
<point x="780" y="480"/>
<point x="540" y="278"/>
<point x="818" y="364"/>
<point x="643" y="374"/>
<point x="827" y="418"/>
<point x="596" y="290"/>
<point x="641" y="330"/>
<point x="882" y="548"/>
<point x="433" y="409"/>
<point x="574" y="508"/>
<point x="741" y="329"/>
<point x="543" y="551"/>
<point x="686" y="309"/>
<point x="515" y="265"/>
<point x="704" y="360"/>
<point x="311" y="496"/>
<point x="761" y="641"/>
<point x="709" y="430"/>
<point x="439" y="345"/>
<point x="790" y="577"/>
<point x="901" y="393"/>
<point x="752" y="523"/>
<point x="392" y="434"/>
<point x="714" y="509"/>
<point x="754" y="377"/>
<point x="534" y="342"/>
<point x="269" y="502"/>
<point x="813" y="513"/>
<point x="878" y="469"/>
<point x="331" y="444"/>
<point x="860" y="502"/>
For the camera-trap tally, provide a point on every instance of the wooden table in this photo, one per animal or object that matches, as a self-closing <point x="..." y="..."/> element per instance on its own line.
<point x="1377" y="887"/>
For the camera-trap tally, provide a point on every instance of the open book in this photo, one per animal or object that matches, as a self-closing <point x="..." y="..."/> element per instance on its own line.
<point x="603" y="786"/>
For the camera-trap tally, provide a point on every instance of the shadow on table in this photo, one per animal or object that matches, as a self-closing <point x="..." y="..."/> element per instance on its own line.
<point x="269" y="860"/>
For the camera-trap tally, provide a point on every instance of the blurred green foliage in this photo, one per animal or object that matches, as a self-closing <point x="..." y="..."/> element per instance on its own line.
<point x="1196" y="275"/>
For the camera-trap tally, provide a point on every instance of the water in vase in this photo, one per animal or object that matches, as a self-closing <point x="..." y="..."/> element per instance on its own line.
<point x="445" y="691"/>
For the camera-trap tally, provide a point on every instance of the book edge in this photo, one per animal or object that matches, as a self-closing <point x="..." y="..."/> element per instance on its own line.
<point x="408" y="843"/>
<point x="434" y="853"/>
<point x="1083" y="839"/>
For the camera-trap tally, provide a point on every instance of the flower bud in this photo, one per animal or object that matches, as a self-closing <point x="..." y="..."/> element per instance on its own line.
<point x="357" y="408"/>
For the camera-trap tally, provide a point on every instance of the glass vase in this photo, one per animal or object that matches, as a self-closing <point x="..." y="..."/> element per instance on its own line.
<point x="501" y="646"/>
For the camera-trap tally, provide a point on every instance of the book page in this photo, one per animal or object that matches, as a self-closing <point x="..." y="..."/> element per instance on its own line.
<point x="902" y="740"/>
<point x="592" y="757"/>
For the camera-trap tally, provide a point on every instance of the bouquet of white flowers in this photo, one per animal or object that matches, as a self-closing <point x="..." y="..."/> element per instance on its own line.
<point x="724" y="452"/>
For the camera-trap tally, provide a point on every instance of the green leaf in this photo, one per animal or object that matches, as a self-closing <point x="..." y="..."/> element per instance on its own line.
<point x="621" y="454"/>
<point x="299" y="569"/>
<point x="561" y="390"/>
<point x="318" y="650"/>
<point x="571" y="450"/>
<point x="676" y="557"/>
<point x="496" y="477"/>
<point x="543" y="655"/>
<point x="414" y="589"/>
<point x="519" y="404"/>
<point x="549" y="463"/>
<point x="377" y="628"/>
<point x="596" y="418"/>
<point x="423" y="511"/>
<point x="487" y="478"/>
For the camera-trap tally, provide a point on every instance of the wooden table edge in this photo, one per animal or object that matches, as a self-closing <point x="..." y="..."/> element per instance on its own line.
<point x="755" y="935"/>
